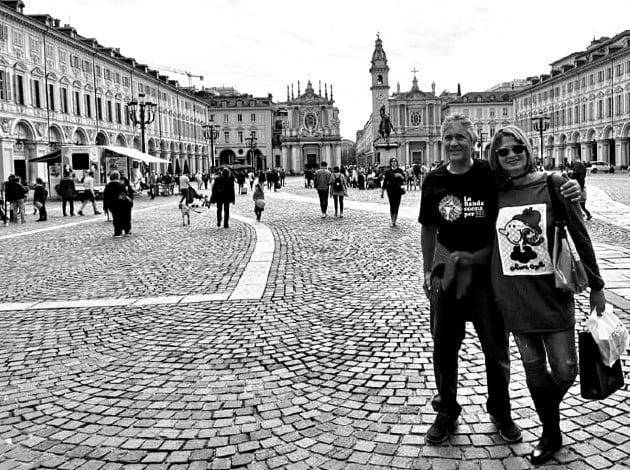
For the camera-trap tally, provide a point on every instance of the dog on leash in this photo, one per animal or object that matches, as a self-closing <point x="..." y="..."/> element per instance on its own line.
<point x="199" y="202"/>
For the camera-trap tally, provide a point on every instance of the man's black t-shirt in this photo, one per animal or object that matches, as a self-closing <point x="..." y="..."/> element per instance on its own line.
<point x="463" y="207"/>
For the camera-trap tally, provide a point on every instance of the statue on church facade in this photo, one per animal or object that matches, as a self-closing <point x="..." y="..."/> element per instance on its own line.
<point x="385" y="127"/>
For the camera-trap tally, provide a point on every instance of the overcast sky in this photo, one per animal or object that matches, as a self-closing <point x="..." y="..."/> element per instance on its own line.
<point x="260" y="47"/>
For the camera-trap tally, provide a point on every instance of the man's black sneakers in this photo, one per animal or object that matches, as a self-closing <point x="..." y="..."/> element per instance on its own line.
<point x="441" y="428"/>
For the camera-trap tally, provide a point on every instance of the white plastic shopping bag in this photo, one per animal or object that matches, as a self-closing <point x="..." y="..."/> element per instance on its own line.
<point x="609" y="333"/>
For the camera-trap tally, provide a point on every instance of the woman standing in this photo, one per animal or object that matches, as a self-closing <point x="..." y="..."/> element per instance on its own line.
<point x="338" y="188"/>
<point x="540" y="316"/>
<point x="394" y="179"/>
<point x="39" y="197"/>
<point x="223" y="195"/>
<point x="118" y="201"/>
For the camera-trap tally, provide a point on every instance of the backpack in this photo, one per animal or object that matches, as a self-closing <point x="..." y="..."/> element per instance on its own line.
<point x="337" y="184"/>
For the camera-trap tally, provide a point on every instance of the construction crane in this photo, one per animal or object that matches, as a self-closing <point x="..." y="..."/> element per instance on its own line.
<point x="190" y="75"/>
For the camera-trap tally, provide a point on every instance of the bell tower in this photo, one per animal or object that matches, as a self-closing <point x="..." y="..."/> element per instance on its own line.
<point x="380" y="77"/>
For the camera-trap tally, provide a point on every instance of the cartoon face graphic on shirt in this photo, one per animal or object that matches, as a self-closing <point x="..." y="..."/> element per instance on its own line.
<point x="524" y="232"/>
<point x="451" y="208"/>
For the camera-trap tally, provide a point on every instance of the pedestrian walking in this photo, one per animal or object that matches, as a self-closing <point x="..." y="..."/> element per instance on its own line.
<point x="251" y="177"/>
<point x="579" y="174"/>
<point x="321" y="180"/>
<point x="88" y="193"/>
<point x="40" y="195"/>
<point x="67" y="191"/>
<point x="393" y="184"/>
<point x="223" y="195"/>
<point x="338" y="189"/>
<point x="540" y="316"/>
<point x="118" y="200"/>
<point x="184" y="185"/>
<point x="15" y="193"/>
<point x="259" y="201"/>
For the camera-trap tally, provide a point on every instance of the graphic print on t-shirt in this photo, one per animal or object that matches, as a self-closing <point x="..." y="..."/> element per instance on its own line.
<point x="522" y="241"/>
<point x="452" y="208"/>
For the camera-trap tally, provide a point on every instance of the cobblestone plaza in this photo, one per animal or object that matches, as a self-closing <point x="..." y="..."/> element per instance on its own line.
<point x="298" y="342"/>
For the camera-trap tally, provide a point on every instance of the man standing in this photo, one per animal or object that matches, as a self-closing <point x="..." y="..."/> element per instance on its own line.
<point x="67" y="191"/>
<point x="15" y="194"/>
<point x="88" y="193"/>
<point x="458" y="210"/>
<point x="153" y="188"/>
<point x="579" y="174"/>
<point x="321" y="180"/>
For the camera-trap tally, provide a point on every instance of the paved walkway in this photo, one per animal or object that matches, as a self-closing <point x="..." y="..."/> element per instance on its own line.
<point x="296" y="343"/>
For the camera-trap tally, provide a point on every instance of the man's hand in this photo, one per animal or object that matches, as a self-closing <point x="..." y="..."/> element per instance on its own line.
<point x="427" y="284"/>
<point x="598" y="301"/>
<point x="571" y="190"/>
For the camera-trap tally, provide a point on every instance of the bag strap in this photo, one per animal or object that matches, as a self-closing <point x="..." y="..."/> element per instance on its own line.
<point x="556" y="205"/>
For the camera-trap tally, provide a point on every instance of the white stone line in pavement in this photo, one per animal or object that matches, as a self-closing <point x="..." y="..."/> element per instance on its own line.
<point x="253" y="281"/>
<point x="607" y="209"/>
<point x="73" y="224"/>
<point x="405" y="212"/>
<point x="250" y="286"/>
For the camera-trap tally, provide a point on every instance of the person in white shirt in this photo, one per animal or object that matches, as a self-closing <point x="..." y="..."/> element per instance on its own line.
<point x="88" y="193"/>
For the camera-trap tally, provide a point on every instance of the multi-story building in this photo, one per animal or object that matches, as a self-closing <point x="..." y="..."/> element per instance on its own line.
<point x="244" y="127"/>
<point x="586" y="95"/>
<point x="488" y="110"/>
<point x="59" y="88"/>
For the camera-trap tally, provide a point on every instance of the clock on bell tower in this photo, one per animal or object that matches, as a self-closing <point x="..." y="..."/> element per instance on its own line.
<point x="380" y="77"/>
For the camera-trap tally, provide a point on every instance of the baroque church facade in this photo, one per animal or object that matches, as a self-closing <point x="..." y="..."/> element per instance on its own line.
<point x="415" y="115"/>
<point x="310" y="133"/>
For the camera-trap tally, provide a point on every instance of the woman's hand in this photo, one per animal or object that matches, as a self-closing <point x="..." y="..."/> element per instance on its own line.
<point x="598" y="301"/>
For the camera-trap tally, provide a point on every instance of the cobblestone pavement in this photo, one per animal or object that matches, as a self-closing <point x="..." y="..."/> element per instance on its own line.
<point x="330" y="368"/>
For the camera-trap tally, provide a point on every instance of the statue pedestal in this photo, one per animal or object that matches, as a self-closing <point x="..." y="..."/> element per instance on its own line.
<point x="384" y="151"/>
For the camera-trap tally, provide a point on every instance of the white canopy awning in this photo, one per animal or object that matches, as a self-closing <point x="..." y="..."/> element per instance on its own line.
<point x="135" y="154"/>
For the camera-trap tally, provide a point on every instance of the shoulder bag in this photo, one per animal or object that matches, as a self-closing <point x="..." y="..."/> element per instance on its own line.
<point x="569" y="272"/>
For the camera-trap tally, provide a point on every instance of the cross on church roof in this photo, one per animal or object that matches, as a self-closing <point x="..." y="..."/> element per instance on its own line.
<point x="415" y="71"/>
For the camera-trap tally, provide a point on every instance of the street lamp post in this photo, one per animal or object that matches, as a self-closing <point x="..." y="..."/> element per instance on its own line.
<point x="251" y="143"/>
<point x="541" y="124"/>
<point x="141" y="113"/>
<point x="211" y="132"/>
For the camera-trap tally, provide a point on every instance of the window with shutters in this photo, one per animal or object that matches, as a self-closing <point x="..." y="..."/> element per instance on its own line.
<point x="63" y="56"/>
<point x="108" y="74"/>
<point x="64" y="99"/>
<point x="88" y="105"/>
<point x="51" y="96"/>
<point x="19" y="89"/>
<point x="36" y="99"/>
<point x="86" y="67"/>
<point x="77" y="103"/>
<point x="117" y="78"/>
<point x="3" y="85"/>
<point x="4" y="33"/>
<point x="125" y="82"/>
<point x="18" y="39"/>
<point x="36" y="45"/>
<point x="99" y="71"/>
<point x="75" y="62"/>
<point x="50" y="52"/>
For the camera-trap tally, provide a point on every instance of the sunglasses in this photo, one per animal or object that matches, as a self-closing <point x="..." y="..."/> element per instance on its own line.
<point x="505" y="151"/>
